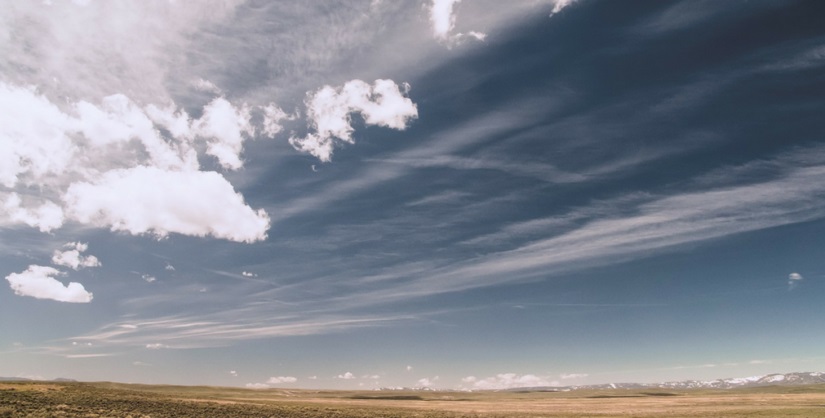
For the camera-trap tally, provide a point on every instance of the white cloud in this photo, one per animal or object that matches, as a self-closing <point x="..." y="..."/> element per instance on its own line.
<point x="225" y="128"/>
<point x="793" y="280"/>
<point x="46" y="217"/>
<point x="273" y="115"/>
<point x="507" y="381"/>
<point x="72" y="258"/>
<point x="257" y="386"/>
<point x="573" y="376"/>
<point x="104" y="47"/>
<point x="156" y="346"/>
<point x="313" y="378"/>
<point x="33" y="131"/>
<point x="233" y="373"/>
<point x="477" y="35"/>
<point x="86" y="156"/>
<point x="206" y="86"/>
<point x="148" y="277"/>
<point x="39" y="282"/>
<point x="346" y="376"/>
<point x="329" y="109"/>
<point x="409" y="368"/>
<point x="277" y="380"/>
<point x="150" y="200"/>
<point x="442" y="17"/>
<point x="118" y="127"/>
<point x="427" y="382"/>
<point x="248" y="274"/>
<point x="169" y="267"/>
<point x="559" y="5"/>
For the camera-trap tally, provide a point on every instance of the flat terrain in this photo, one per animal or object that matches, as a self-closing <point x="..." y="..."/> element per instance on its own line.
<point x="52" y="399"/>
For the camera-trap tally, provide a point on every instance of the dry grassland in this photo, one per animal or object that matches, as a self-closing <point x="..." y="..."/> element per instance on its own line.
<point x="42" y="399"/>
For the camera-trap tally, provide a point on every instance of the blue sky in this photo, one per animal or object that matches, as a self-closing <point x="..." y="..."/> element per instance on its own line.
<point x="455" y="194"/>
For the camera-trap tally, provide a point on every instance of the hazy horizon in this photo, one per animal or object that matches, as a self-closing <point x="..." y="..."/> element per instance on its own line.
<point x="434" y="193"/>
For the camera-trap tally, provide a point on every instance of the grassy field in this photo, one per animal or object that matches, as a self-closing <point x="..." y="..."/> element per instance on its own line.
<point x="48" y="399"/>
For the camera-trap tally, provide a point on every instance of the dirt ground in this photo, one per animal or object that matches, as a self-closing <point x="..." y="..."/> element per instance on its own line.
<point x="48" y="399"/>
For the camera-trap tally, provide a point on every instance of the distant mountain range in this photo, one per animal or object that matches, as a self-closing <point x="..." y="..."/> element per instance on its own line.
<point x="23" y="379"/>
<point x="784" y="379"/>
<point x="781" y="379"/>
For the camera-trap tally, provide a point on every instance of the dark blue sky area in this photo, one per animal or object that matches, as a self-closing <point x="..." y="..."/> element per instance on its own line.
<point x="622" y="191"/>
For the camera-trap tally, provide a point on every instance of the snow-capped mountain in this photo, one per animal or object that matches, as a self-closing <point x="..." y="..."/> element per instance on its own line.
<point x="804" y="378"/>
<point x="807" y="378"/>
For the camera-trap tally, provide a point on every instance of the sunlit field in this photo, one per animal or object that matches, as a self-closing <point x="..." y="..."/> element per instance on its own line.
<point x="47" y="399"/>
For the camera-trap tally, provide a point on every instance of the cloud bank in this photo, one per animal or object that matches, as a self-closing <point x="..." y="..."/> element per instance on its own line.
<point x="123" y="166"/>
<point x="507" y="381"/>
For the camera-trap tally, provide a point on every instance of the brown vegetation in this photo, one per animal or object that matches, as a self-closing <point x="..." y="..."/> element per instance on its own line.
<point x="42" y="399"/>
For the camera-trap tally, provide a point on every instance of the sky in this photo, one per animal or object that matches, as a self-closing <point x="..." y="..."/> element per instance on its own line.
<point x="439" y="193"/>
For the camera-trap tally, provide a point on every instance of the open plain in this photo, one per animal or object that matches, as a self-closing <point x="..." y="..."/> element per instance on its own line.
<point x="73" y="399"/>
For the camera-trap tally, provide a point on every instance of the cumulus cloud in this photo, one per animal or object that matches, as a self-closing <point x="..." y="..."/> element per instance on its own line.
<point x="257" y="386"/>
<point x="277" y="380"/>
<point x="329" y="110"/>
<point x="573" y="376"/>
<point x="72" y="257"/>
<point x="225" y="127"/>
<point x="427" y="382"/>
<point x="148" y="278"/>
<point x="144" y="199"/>
<point x="346" y="376"/>
<point x="248" y="274"/>
<point x="45" y="217"/>
<point x="507" y="381"/>
<point x="39" y="282"/>
<point x="409" y="368"/>
<point x="34" y="135"/>
<point x="793" y="280"/>
<point x="81" y="159"/>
